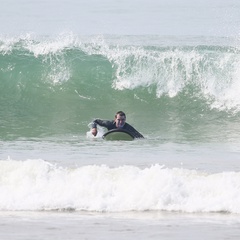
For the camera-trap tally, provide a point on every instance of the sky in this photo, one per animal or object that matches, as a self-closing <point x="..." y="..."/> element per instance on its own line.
<point x="126" y="17"/>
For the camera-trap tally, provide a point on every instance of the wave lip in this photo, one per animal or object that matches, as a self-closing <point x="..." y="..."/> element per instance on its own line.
<point x="38" y="185"/>
<point x="208" y="71"/>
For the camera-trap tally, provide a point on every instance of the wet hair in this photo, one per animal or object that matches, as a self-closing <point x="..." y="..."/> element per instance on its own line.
<point x="121" y="113"/>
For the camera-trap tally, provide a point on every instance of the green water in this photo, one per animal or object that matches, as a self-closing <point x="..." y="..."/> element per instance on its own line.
<point x="185" y="93"/>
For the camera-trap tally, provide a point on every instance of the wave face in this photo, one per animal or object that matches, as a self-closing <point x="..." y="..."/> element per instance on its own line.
<point x="58" y="85"/>
<point x="35" y="185"/>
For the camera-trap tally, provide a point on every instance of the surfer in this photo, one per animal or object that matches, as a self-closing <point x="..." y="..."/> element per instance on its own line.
<point x="118" y="122"/>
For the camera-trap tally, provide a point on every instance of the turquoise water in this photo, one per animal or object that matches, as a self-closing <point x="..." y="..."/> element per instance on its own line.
<point x="172" y="66"/>
<point x="57" y="86"/>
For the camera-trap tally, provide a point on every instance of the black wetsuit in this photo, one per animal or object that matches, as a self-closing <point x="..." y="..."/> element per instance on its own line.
<point x="112" y="125"/>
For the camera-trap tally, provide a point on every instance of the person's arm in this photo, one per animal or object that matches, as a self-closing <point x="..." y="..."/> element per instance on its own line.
<point x="103" y="123"/>
<point x="138" y="134"/>
<point x="94" y="131"/>
<point x="94" y="128"/>
<point x="133" y="131"/>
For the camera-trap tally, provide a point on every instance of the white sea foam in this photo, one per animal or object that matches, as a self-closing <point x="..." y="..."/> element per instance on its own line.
<point x="214" y="70"/>
<point x="39" y="185"/>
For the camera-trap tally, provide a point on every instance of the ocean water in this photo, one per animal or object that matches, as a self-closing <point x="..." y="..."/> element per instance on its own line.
<point x="172" y="66"/>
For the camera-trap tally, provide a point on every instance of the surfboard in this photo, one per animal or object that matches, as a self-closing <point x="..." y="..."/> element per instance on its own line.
<point x="118" y="135"/>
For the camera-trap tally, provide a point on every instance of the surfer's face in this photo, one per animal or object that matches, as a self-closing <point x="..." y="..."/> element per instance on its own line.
<point x="120" y="121"/>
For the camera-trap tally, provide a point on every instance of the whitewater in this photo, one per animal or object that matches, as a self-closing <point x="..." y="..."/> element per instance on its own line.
<point x="172" y="67"/>
<point x="38" y="185"/>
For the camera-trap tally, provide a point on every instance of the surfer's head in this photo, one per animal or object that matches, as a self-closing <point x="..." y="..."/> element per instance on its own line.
<point x="120" y="119"/>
